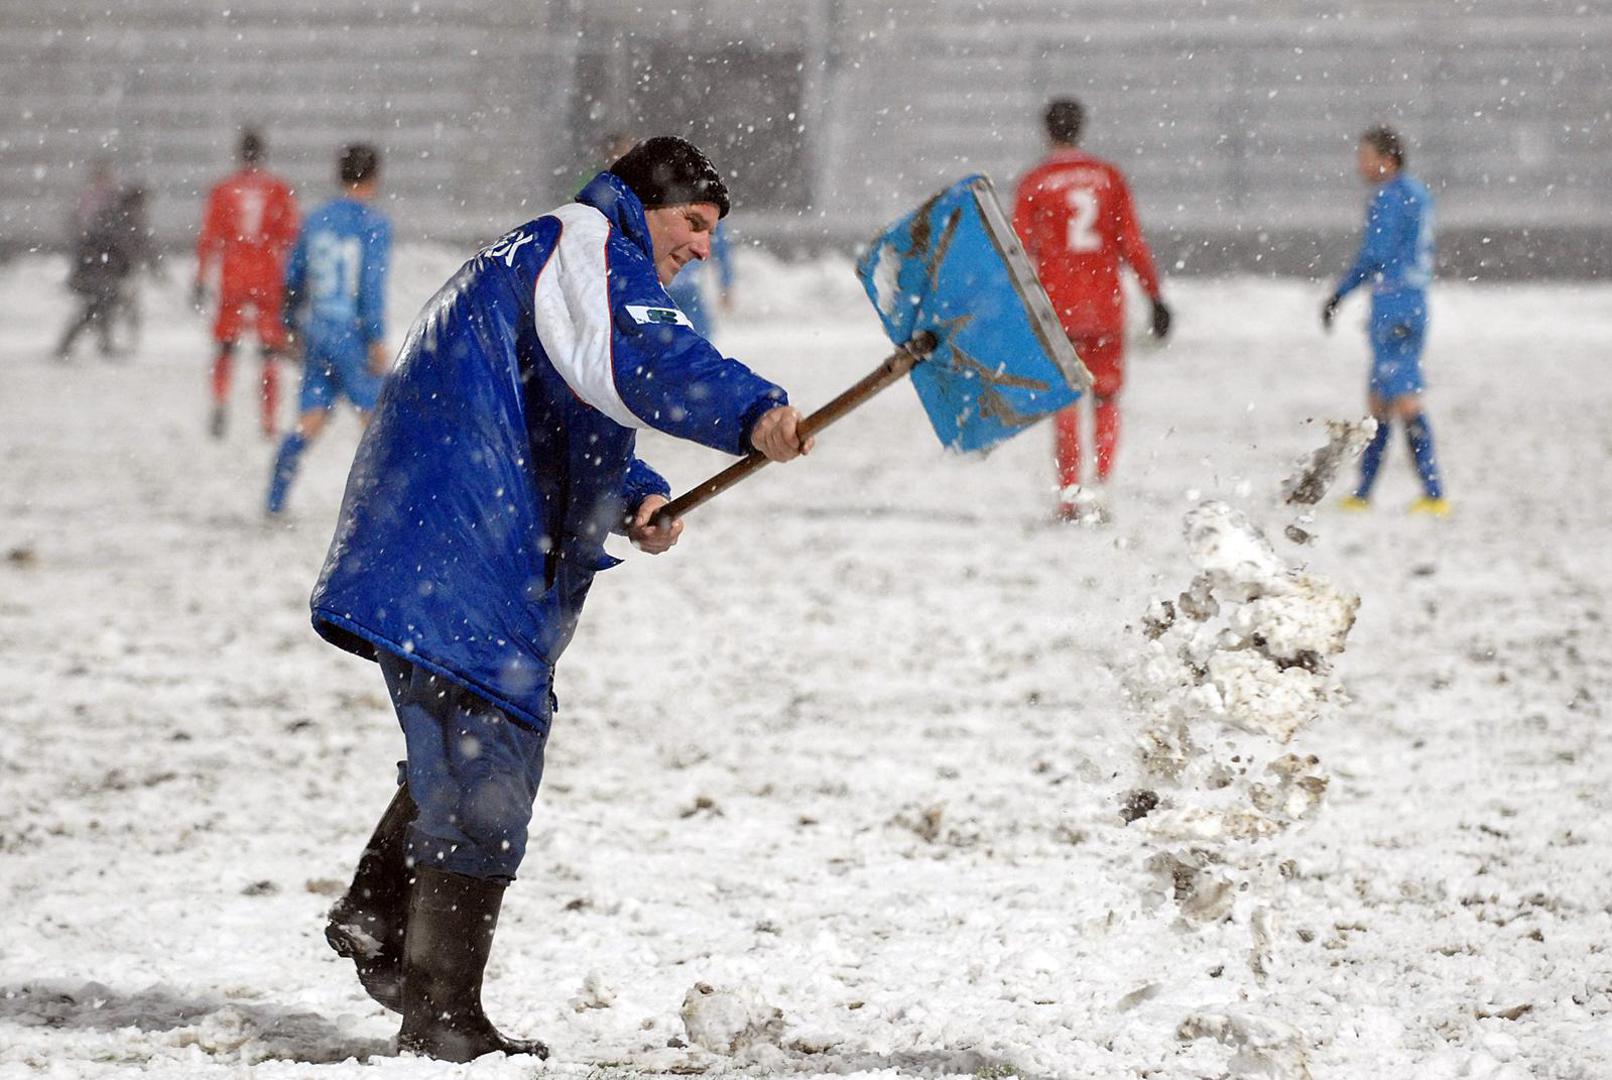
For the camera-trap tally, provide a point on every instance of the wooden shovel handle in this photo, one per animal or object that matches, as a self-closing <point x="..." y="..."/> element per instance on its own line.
<point x="891" y="370"/>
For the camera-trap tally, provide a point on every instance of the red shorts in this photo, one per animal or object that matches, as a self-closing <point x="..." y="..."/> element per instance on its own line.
<point x="1104" y="357"/>
<point x="263" y="296"/>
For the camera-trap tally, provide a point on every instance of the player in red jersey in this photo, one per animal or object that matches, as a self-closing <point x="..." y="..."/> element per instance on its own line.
<point x="249" y="226"/>
<point x="1074" y="214"/>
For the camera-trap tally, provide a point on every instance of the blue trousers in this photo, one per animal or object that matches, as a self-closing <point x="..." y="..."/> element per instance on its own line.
<point x="472" y="771"/>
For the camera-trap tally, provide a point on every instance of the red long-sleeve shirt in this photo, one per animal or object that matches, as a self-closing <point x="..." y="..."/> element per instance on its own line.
<point x="1073" y="213"/>
<point x="249" y="225"/>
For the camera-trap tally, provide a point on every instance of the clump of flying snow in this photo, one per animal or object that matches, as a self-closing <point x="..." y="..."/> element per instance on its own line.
<point x="1247" y="646"/>
<point x="1233" y="669"/>
<point x="1314" y="474"/>
<point x="1233" y="556"/>
<point x="1345" y="439"/>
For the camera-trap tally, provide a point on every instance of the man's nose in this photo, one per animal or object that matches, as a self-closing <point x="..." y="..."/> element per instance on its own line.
<point x="701" y="246"/>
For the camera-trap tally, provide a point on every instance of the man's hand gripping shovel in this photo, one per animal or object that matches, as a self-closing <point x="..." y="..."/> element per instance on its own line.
<point x="971" y="323"/>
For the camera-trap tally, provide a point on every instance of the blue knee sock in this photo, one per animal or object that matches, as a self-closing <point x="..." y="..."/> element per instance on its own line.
<point x="285" y="469"/>
<point x="1371" y="460"/>
<point x="1420" y="437"/>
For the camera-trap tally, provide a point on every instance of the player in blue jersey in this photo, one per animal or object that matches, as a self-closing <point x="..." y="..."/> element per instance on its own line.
<point x="1396" y="257"/>
<point x="335" y="305"/>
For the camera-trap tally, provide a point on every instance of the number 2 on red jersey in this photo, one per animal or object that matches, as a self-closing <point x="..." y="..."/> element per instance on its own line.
<point x="250" y="206"/>
<point x="1081" y="227"/>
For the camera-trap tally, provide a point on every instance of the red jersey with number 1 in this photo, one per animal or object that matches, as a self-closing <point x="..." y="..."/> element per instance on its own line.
<point x="1074" y="215"/>
<point x="249" y="226"/>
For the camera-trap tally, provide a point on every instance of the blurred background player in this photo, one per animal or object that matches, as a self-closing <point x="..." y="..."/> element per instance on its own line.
<point x="1074" y="214"/>
<point x="249" y="223"/>
<point x="98" y="194"/>
<point x="612" y="148"/>
<point x="1396" y="256"/>
<point x="337" y="272"/>
<point x="110" y="247"/>
<point x="687" y="290"/>
<point x="86" y="238"/>
<point x="144" y="255"/>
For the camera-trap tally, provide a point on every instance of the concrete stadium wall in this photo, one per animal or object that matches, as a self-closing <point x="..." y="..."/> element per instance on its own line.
<point x="162" y="87"/>
<point x="1234" y="118"/>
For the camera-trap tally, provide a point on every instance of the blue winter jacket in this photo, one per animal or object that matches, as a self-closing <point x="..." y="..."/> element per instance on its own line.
<point x="501" y="453"/>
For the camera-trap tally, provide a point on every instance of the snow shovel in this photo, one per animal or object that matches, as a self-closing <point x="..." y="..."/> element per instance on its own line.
<point x="971" y="322"/>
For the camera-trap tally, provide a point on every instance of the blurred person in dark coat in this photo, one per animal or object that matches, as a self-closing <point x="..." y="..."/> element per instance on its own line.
<point x="114" y="244"/>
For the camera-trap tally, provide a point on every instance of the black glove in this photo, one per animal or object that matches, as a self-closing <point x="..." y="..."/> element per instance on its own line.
<point x="1161" y="320"/>
<point x="1329" y="311"/>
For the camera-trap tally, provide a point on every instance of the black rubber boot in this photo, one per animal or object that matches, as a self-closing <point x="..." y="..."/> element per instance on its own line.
<point x="452" y="919"/>
<point x="368" y="923"/>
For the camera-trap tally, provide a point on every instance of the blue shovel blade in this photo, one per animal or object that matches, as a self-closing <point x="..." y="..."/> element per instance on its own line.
<point x="954" y="267"/>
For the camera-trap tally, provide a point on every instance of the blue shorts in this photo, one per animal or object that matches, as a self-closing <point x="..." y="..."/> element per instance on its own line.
<point x="1396" y="353"/>
<point x="330" y="373"/>
<point x="472" y="771"/>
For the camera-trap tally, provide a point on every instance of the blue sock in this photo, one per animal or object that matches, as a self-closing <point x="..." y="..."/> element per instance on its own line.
<point x="1372" y="460"/>
<point x="1420" y="437"/>
<point x="285" y="469"/>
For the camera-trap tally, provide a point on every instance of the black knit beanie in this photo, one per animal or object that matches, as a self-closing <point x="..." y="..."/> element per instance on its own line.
<point x="669" y="171"/>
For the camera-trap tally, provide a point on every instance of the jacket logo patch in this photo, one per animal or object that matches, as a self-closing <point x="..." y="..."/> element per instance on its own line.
<point x="659" y="316"/>
<point x="506" y="247"/>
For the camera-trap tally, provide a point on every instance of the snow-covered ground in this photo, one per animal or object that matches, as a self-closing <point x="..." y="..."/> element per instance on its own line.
<point x="854" y="751"/>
